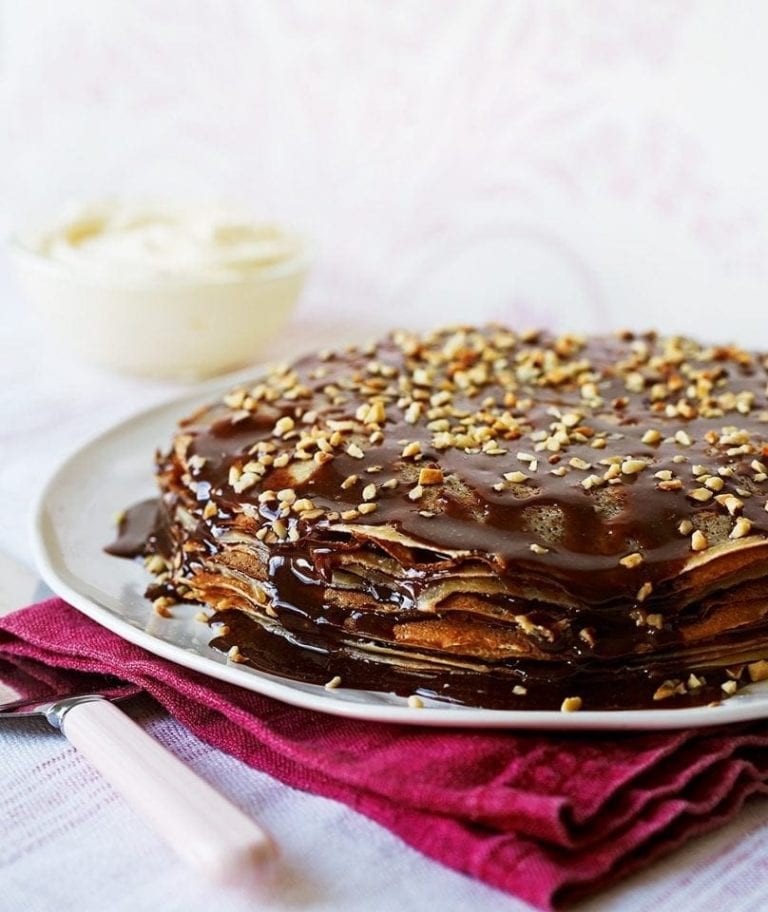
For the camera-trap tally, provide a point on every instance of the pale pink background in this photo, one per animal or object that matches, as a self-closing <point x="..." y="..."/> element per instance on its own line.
<point x="581" y="164"/>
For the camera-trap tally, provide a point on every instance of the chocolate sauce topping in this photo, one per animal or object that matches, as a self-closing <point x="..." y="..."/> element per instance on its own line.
<point x="138" y="531"/>
<point x="598" y="495"/>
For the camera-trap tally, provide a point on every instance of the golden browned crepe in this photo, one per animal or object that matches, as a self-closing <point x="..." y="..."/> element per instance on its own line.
<point x="496" y="518"/>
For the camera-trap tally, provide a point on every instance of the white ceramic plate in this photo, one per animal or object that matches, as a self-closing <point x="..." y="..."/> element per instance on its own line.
<point x="74" y="519"/>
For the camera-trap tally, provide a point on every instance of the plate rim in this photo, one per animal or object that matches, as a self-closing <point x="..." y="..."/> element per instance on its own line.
<point x="729" y="711"/>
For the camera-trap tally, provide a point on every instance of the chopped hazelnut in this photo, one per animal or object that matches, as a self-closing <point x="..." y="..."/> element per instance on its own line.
<point x="741" y="528"/>
<point x="699" y="541"/>
<point x="430" y="476"/>
<point x="758" y="671"/>
<point x="632" y="560"/>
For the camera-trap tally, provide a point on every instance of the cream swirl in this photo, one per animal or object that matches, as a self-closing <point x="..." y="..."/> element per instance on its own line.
<point x="166" y="242"/>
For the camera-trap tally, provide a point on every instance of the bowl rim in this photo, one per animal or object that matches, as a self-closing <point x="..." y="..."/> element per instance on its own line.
<point x="27" y="256"/>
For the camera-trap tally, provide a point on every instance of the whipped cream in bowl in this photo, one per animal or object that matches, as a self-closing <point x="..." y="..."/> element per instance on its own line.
<point x="159" y="289"/>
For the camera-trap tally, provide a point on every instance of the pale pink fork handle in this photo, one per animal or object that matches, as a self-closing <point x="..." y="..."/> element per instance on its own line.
<point x="201" y="825"/>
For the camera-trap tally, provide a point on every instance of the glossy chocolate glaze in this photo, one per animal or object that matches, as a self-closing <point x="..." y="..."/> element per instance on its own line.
<point x="304" y="653"/>
<point x="313" y="659"/>
<point x="140" y="531"/>
<point x="696" y="399"/>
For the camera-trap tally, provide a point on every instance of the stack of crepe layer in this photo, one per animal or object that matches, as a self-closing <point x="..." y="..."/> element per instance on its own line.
<point x="505" y="564"/>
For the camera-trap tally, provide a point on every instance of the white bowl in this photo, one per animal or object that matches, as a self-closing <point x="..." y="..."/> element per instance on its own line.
<point x="192" y="327"/>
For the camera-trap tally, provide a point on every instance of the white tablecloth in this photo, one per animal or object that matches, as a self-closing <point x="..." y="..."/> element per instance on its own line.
<point x="67" y="841"/>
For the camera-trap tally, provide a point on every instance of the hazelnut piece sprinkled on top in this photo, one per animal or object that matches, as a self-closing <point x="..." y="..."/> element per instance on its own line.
<point x="430" y="476"/>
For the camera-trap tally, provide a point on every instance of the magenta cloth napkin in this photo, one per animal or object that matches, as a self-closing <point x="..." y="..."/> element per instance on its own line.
<point x="546" y="817"/>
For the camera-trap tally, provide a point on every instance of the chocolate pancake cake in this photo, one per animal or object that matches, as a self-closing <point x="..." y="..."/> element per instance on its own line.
<point x="492" y="518"/>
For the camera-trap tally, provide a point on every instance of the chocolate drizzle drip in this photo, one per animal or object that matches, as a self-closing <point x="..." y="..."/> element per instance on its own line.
<point x="141" y="530"/>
